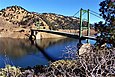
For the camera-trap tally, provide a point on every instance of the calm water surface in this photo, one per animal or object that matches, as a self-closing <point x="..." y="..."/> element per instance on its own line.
<point x="23" y="53"/>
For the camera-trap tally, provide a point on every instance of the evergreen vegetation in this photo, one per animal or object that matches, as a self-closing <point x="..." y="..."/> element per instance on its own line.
<point x="107" y="29"/>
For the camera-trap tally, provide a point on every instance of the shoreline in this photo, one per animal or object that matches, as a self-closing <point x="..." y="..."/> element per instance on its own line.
<point x="22" y="33"/>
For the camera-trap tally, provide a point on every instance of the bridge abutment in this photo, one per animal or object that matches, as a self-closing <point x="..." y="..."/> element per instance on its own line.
<point x="36" y="34"/>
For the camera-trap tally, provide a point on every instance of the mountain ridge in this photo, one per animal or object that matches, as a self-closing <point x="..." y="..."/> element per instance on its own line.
<point x="20" y="16"/>
<point x="16" y="22"/>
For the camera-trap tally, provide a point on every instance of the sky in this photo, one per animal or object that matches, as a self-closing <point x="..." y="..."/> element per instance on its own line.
<point x="63" y="7"/>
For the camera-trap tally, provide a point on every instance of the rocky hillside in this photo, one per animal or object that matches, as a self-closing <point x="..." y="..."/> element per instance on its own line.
<point x="16" y="21"/>
<point x="21" y="17"/>
<point x="60" y="21"/>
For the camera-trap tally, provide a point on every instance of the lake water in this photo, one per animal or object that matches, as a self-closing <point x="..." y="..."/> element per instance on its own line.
<point x="23" y="53"/>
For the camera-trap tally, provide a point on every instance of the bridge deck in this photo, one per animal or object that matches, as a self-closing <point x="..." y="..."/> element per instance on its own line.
<point x="71" y="35"/>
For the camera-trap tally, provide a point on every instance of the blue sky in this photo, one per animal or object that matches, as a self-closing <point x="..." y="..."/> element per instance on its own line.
<point x="63" y="7"/>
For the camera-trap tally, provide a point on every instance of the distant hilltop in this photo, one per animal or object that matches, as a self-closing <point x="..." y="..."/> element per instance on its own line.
<point x="16" y="22"/>
<point x="19" y="16"/>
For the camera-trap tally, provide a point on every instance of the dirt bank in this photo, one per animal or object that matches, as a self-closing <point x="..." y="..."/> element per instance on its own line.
<point x="14" y="32"/>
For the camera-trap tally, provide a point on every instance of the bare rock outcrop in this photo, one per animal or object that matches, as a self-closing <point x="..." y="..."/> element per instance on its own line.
<point x="85" y="48"/>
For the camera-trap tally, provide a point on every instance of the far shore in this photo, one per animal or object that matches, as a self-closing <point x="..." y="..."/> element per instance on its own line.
<point x="24" y="33"/>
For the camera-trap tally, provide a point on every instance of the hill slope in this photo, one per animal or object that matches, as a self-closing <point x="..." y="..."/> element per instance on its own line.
<point x="20" y="16"/>
<point x="17" y="18"/>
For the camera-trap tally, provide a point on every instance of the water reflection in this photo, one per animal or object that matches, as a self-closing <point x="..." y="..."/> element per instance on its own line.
<point x="23" y="53"/>
<point x="52" y="48"/>
<point x="15" y="48"/>
<point x="45" y="43"/>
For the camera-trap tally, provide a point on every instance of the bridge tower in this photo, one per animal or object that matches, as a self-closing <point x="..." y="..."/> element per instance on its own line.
<point x="81" y="28"/>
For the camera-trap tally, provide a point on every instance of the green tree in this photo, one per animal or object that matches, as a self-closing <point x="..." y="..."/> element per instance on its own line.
<point x="107" y="29"/>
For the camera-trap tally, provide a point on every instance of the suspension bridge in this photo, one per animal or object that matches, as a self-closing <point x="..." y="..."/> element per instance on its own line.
<point x="72" y="35"/>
